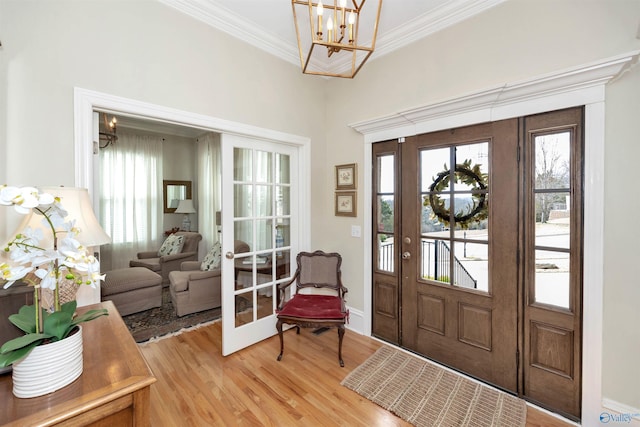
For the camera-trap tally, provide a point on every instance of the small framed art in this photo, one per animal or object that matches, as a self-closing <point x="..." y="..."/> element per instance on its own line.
<point x="346" y="176"/>
<point x="346" y="203"/>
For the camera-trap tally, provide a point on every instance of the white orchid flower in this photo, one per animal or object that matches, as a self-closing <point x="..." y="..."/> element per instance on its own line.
<point x="13" y="273"/>
<point x="47" y="277"/>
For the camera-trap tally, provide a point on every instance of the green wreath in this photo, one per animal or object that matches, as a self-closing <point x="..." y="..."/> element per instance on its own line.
<point x="466" y="174"/>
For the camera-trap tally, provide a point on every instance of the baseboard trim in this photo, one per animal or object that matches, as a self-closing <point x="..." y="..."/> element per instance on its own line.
<point x="356" y="320"/>
<point x="616" y="412"/>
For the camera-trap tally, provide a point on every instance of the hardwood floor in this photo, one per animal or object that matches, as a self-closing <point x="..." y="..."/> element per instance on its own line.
<point x="197" y="386"/>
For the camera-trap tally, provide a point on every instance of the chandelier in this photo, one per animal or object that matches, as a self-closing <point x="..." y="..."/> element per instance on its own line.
<point x="335" y="39"/>
<point x="108" y="135"/>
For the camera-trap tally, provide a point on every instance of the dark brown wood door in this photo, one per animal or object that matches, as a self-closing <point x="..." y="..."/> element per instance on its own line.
<point x="552" y="260"/>
<point x="459" y="249"/>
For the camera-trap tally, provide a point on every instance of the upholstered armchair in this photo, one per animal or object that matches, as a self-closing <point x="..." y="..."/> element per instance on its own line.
<point x="165" y="264"/>
<point x="193" y="290"/>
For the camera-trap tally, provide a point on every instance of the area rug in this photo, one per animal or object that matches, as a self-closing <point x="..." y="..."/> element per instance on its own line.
<point x="163" y="320"/>
<point x="425" y="394"/>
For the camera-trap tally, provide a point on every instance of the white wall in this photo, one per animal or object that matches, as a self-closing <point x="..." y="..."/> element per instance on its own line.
<point x="179" y="164"/>
<point x="516" y="40"/>
<point x="154" y="54"/>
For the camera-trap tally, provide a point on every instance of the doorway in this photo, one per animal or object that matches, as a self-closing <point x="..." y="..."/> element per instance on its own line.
<point x="87" y="101"/>
<point x="490" y="216"/>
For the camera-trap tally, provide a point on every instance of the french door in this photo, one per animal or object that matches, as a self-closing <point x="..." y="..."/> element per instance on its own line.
<point x="477" y="254"/>
<point x="260" y="203"/>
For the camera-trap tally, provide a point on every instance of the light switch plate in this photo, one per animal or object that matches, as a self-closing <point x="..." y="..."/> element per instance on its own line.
<point x="355" y="231"/>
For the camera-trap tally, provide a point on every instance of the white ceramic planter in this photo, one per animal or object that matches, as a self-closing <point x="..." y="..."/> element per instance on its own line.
<point x="48" y="367"/>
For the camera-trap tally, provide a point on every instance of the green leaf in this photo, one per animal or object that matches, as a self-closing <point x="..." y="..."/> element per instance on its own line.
<point x="12" y="356"/>
<point x="69" y="307"/>
<point x="90" y="315"/>
<point x="22" y="341"/>
<point x="57" y="324"/>
<point x="25" y="323"/>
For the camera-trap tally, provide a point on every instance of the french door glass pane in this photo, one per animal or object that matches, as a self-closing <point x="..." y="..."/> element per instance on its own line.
<point x="435" y="256"/>
<point x="283" y="173"/>
<point x="244" y="308"/>
<point x="243" y="230"/>
<point x="552" y="277"/>
<point x="283" y="200"/>
<point x="264" y="167"/>
<point x="243" y="200"/>
<point x="243" y="164"/>
<point x="264" y="201"/>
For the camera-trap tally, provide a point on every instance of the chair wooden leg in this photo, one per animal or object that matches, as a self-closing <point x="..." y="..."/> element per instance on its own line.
<point x="340" y="336"/>
<point x="279" y="328"/>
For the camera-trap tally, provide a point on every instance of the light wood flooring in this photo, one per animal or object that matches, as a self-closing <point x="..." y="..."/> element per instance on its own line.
<point x="197" y="386"/>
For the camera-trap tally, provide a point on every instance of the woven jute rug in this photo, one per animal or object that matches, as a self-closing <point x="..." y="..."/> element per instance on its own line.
<point x="425" y="394"/>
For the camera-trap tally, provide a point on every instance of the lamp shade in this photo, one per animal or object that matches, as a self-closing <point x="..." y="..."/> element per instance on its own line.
<point x="185" y="207"/>
<point x="78" y="205"/>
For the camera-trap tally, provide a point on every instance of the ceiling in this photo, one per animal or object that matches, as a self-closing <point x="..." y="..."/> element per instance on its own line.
<point x="269" y="25"/>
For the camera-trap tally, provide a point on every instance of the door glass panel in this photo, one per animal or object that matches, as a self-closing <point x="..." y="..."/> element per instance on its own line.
<point x="552" y="278"/>
<point x="283" y="200"/>
<point x="472" y="266"/>
<point x="264" y="167"/>
<point x="283" y="175"/>
<point x="431" y="224"/>
<point x="243" y="200"/>
<point x="455" y="206"/>
<point x="434" y="162"/>
<point x="264" y="201"/>
<point x="265" y="301"/>
<point x="552" y="189"/>
<point x="243" y="164"/>
<point x="243" y="230"/>
<point x="553" y="215"/>
<point x="552" y="160"/>
<point x="264" y="236"/>
<point x="385" y="220"/>
<point x="244" y="308"/>
<point x="435" y="260"/>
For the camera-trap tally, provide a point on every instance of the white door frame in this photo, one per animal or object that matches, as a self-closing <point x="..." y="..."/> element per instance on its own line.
<point x="86" y="101"/>
<point x="584" y="85"/>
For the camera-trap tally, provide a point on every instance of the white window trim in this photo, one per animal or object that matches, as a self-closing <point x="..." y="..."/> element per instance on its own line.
<point x="584" y="85"/>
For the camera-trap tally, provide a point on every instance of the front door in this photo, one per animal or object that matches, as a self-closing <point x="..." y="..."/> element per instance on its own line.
<point x="457" y="306"/>
<point x="259" y="217"/>
<point x="478" y="252"/>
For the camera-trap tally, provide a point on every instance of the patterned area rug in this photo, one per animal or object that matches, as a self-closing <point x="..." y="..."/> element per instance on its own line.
<point x="424" y="394"/>
<point x="163" y="320"/>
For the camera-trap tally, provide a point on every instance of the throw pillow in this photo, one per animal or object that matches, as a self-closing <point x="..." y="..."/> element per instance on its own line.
<point x="212" y="260"/>
<point x="172" y="245"/>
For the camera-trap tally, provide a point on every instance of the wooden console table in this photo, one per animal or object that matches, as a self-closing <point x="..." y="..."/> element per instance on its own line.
<point x="113" y="390"/>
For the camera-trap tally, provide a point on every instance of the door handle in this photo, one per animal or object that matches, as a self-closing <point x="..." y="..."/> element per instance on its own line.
<point x="406" y="255"/>
<point x="229" y="255"/>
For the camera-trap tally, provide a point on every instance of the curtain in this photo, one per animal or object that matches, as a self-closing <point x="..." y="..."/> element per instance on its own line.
<point x="131" y="209"/>
<point x="209" y="190"/>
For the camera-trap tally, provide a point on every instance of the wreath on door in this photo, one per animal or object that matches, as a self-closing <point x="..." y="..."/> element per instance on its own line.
<point x="466" y="174"/>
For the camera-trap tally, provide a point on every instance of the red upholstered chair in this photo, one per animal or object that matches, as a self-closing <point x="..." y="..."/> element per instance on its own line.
<point x="319" y="297"/>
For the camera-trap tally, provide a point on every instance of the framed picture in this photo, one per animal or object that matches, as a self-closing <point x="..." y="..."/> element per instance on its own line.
<point x="346" y="203"/>
<point x="346" y="177"/>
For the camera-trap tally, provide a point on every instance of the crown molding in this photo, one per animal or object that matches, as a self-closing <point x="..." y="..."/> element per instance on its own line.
<point x="422" y="26"/>
<point x="221" y="18"/>
<point x="584" y="84"/>
<point x="235" y="25"/>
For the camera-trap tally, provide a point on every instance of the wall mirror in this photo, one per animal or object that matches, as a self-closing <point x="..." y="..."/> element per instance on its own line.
<point x="173" y="192"/>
